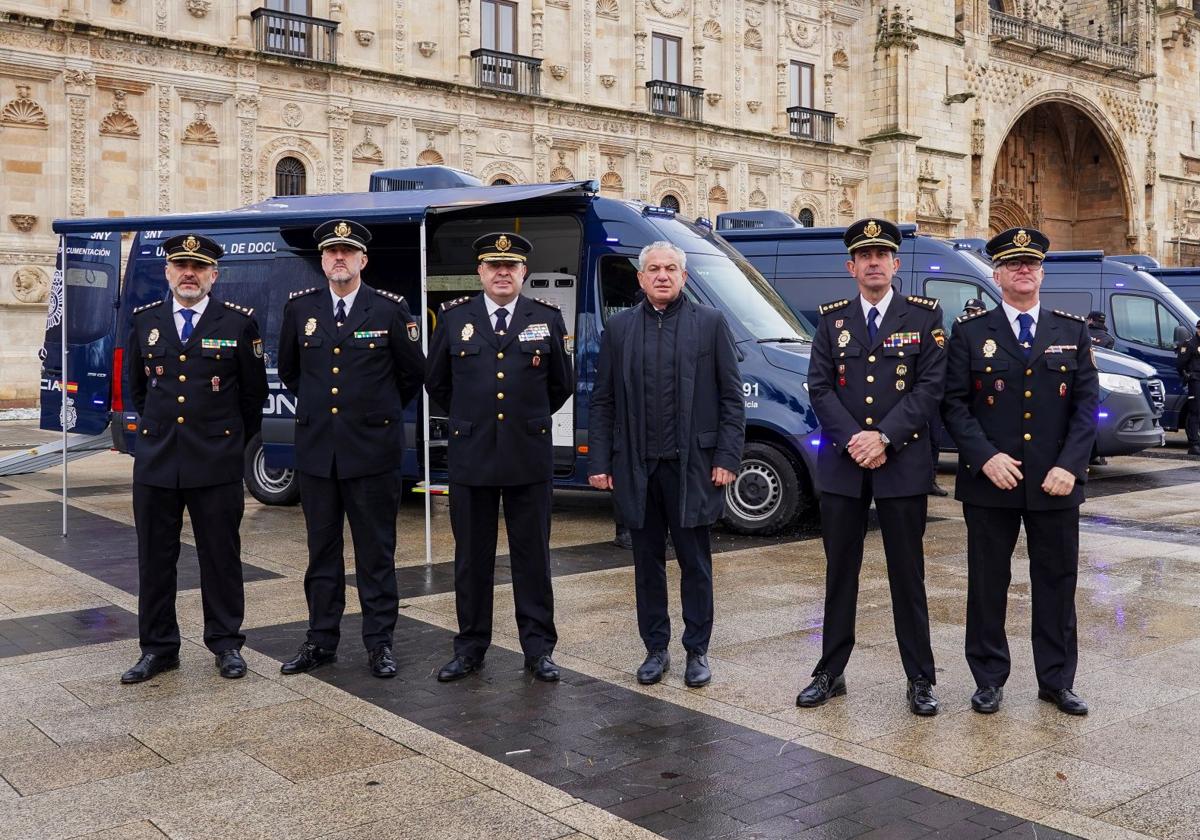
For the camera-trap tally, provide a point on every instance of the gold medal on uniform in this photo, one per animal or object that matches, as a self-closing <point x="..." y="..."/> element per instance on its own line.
<point x="989" y="348"/>
<point x="901" y="370"/>
<point x="310" y="326"/>
<point x="152" y="339"/>
<point x="216" y="383"/>
<point x="991" y="400"/>
<point x="843" y="338"/>
<point x="900" y="385"/>
<point x="467" y="331"/>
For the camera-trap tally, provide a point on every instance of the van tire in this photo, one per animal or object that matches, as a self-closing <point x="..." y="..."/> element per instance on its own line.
<point x="766" y="493"/>
<point x="269" y="486"/>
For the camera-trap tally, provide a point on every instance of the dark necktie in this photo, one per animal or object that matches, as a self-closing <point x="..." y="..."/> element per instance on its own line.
<point x="501" y="320"/>
<point x="340" y="315"/>
<point x="1025" y="336"/>
<point x="187" y="323"/>
<point x="872" y="327"/>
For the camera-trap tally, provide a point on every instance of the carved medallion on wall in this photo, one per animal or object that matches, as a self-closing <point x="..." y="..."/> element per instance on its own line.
<point x="293" y="115"/>
<point x="670" y="8"/>
<point x="23" y="222"/>
<point x="30" y="284"/>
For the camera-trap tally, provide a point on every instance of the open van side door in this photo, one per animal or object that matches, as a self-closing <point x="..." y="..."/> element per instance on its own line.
<point x="84" y="297"/>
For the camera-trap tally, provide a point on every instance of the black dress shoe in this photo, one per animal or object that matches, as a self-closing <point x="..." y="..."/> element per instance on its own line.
<point x="821" y="689"/>
<point x="543" y="668"/>
<point x="459" y="667"/>
<point x="383" y="664"/>
<point x="1066" y="700"/>
<point x="1194" y="450"/>
<point x="231" y="664"/>
<point x="657" y="663"/>
<point x="308" y="657"/>
<point x="623" y="539"/>
<point x="697" y="674"/>
<point x="920" y="698"/>
<point x="986" y="699"/>
<point x="149" y="665"/>
<point x="938" y="490"/>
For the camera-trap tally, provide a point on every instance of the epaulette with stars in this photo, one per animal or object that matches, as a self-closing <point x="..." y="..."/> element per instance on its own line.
<point x="1070" y="315"/>
<point x="245" y="310"/>
<point x="392" y="296"/>
<point x="925" y="302"/>
<point x="146" y="306"/>
<point x="302" y="293"/>
<point x="833" y="306"/>
<point x="543" y="302"/>
<point x="967" y="316"/>
<point x="450" y="304"/>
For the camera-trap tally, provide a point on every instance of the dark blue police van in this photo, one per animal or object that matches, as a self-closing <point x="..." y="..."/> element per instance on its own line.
<point x="1184" y="282"/>
<point x="424" y="221"/>
<point x="807" y="266"/>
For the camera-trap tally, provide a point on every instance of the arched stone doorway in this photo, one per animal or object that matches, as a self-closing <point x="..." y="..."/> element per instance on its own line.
<point x="1057" y="171"/>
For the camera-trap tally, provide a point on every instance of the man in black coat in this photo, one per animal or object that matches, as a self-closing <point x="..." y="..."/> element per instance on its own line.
<point x="351" y="355"/>
<point x="195" y="374"/>
<point x="1187" y="362"/>
<point x="1021" y="398"/>
<point x="1097" y="324"/>
<point x="876" y="376"/>
<point x="500" y="367"/>
<point x="667" y="424"/>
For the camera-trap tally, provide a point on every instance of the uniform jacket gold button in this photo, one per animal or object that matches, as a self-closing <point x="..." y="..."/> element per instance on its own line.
<point x="1029" y="371"/>
<point x="1028" y="415"/>
<point x="870" y="358"/>
<point x="901" y="353"/>
<point x="333" y="410"/>
<point x="987" y="369"/>
<point x="178" y="419"/>
<point x="333" y="391"/>
<point x="183" y="357"/>
<point x="371" y="345"/>
<point x="337" y="351"/>
<point x="182" y="378"/>
<point x="870" y="378"/>
<point x="227" y="432"/>
<point x="499" y="374"/>
<point x="500" y="355"/>
<point x="1028" y="436"/>
<point x="337" y="370"/>
<point x="145" y="431"/>
<point x="500" y="416"/>
<point x="181" y="398"/>
<point x="870" y="421"/>
<point x="500" y="395"/>
<point x="1028" y="394"/>
<point x="870" y="400"/>
<point x="1063" y="368"/>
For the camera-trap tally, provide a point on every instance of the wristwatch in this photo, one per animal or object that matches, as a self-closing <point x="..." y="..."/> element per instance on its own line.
<point x="884" y="438"/>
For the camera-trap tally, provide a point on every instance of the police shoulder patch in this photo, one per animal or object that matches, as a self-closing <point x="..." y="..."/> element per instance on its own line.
<point x="1070" y="315"/>
<point x="245" y="310"/>
<point x="833" y="306"/>
<point x="450" y="304"/>
<point x="969" y="316"/>
<point x="392" y="296"/>
<point x="302" y="293"/>
<point x="146" y="306"/>
<point x="926" y="302"/>
<point x="553" y="306"/>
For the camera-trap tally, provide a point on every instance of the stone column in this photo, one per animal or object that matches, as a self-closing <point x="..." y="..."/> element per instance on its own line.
<point x="79" y="87"/>
<point x="537" y="13"/>
<point x="244" y="34"/>
<point x="641" y="62"/>
<point x="165" y="147"/>
<point x="464" y="42"/>
<point x="399" y="35"/>
<point x="339" y="123"/>
<point x="247" y="112"/>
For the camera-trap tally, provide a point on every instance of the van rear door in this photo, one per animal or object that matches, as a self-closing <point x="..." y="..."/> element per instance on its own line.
<point x="87" y="281"/>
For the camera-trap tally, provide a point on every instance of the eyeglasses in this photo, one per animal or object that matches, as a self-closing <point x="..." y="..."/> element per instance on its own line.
<point x="1017" y="263"/>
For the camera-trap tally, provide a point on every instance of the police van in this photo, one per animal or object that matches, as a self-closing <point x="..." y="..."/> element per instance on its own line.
<point x="807" y="266"/>
<point x="423" y="222"/>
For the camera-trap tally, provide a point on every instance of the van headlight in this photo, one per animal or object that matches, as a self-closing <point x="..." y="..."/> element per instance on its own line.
<point x="1119" y="384"/>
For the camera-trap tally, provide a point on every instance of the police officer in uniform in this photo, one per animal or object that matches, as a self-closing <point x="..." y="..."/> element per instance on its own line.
<point x="876" y="378"/>
<point x="499" y="366"/>
<point x="1021" y="397"/>
<point x="1097" y="324"/>
<point x="350" y="353"/>
<point x="195" y="372"/>
<point x="1187" y="362"/>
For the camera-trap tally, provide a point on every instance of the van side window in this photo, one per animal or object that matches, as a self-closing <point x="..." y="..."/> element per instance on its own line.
<point x="1077" y="303"/>
<point x="805" y="281"/>
<point x="1143" y="320"/>
<point x="953" y="295"/>
<point x="619" y="289"/>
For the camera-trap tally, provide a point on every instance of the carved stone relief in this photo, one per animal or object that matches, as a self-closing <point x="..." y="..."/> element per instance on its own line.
<point x="200" y="130"/>
<point x="23" y="111"/>
<point x="23" y="222"/>
<point x="30" y="284"/>
<point x="368" y="151"/>
<point x="119" y="122"/>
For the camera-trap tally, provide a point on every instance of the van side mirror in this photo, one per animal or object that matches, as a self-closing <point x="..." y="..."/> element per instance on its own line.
<point x="1182" y="334"/>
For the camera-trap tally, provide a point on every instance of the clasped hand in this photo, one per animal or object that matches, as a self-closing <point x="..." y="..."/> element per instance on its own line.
<point x="867" y="449"/>
<point x="1004" y="471"/>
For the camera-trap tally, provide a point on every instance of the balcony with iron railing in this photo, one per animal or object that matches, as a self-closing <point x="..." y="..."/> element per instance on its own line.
<point x="670" y="99"/>
<point x="1077" y="49"/>
<point x="811" y="124"/>
<point x="507" y="71"/>
<point x="295" y="36"/>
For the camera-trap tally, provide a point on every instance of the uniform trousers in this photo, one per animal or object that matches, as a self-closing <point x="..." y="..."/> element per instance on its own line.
<point x="216" y="513"/>
<point x="474" y="519"/>
<point x="370" y="503"/>
<point x="1193" y="420"/>
<point x="694" y="554"/>
<point x="1052" y="537"/>
<point x="844" y="530"/>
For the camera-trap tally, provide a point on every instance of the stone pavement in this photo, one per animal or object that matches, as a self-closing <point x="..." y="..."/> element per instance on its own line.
<point x="339" y="754"/>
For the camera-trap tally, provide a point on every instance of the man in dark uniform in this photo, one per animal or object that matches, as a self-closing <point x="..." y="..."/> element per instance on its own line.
<point x="876" y="377"/>
<point x="350" y="353"/>
<point x="974" y="306"/>
<point x="499" y="365"/>
<point x="194" y="368"/>
<point x="1021" y="398"/>
<point x="1097" y="324"/>
<point x="1187" y="362"/>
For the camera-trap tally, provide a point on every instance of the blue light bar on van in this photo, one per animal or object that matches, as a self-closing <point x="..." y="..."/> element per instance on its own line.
<point x="814" y="442"/>
<point x="935" y="268"/>
<point x="1102" y="414"/>
<point x="655" y="210"/>
<point x="704" y="222"/>
<point x="1119" y="285"/>
<point x="614" y="240"/>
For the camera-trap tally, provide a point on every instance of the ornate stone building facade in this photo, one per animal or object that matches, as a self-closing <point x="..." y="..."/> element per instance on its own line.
<point x="962" y="115"/>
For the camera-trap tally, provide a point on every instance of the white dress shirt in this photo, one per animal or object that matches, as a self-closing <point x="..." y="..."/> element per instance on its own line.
<point x="198" y="308"/>
<point x="881" y="306"/>
<point x="348" y="298"/>
<point x="1011" y="312"/>
<point x="492" y="306"/>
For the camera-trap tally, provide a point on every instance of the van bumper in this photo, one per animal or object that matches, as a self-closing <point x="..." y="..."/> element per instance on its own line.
<point x="1127" y="424"/>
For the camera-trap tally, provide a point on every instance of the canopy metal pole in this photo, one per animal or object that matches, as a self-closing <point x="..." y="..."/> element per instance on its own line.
<point x="425" y="404"/>
<point x="64" y="391"/>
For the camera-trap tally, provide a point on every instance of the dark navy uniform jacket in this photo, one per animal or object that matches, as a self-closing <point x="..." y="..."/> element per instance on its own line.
<point x="199" y="401"/>
<point x="500" y="391"/>
<point x="892" y="385"/>
<point x="1187" y="358"/>
<point x="1040" y="411"/>
<point x="352" y="383"/>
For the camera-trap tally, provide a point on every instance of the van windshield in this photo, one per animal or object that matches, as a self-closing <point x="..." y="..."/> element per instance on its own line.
<point x="738" y="289"/>
<point x="1182" y="309"/>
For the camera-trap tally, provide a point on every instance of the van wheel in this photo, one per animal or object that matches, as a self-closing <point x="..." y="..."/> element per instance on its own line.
<point x="765" y="494"/>
<point x="270" y="486"/>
